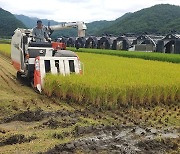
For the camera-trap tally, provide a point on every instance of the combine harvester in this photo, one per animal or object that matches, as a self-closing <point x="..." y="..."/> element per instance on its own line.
<point x="33" y="60"/>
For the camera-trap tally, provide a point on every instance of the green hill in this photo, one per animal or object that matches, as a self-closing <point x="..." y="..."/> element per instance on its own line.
<point x="161" y="18"/>
<point x="8" y="23"/>
<point x="30" y="22"/>
<point x="93" y="27"/>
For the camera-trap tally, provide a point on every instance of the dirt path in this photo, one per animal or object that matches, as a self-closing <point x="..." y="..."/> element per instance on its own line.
<point x="12" y="92"/>
<point x="120" y="139"/>
<point x="7" y="75"/>
<point x="8" y="81"/>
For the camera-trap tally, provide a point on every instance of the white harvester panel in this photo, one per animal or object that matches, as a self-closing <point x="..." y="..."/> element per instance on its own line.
<point x="58" y="65"/>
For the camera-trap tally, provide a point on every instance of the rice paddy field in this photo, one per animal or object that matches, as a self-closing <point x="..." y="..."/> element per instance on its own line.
<point x="34" y="123"/>
<point x="112" y="82"/>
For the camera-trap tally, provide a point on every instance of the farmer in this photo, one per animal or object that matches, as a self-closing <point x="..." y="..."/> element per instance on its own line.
<point x="40" y="32"/>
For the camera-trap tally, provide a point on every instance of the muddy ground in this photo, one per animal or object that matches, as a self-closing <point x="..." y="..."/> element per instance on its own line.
<point x="88" y="132"/>
<point x="33" y="123"/>
<point x="120" y="139"/>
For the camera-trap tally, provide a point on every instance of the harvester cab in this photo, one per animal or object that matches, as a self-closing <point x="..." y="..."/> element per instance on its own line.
<point x="33" y="60"/>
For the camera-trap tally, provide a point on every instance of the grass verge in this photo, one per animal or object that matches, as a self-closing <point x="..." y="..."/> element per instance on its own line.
<point x="174" y="58"/>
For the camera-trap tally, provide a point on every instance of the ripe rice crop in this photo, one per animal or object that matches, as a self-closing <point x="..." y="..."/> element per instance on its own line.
<point x="174" y="58"/>
<point x="5" y="49"/>
<point x="111" y="81"/>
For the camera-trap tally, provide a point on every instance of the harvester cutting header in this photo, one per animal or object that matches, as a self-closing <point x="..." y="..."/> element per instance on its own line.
<point x="33" y="53"/>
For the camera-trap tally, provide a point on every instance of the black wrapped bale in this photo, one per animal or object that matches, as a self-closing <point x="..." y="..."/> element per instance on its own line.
<point x="71" y="42"/>
<point x="105" y="43"/>
<point x="171" y="43"/>
<point x="80" y="42"/>
<point x="160" y="46"/>
<point x="91" y="42"/>
<point x="177" y="46"/>
<point x="121" y="43"/>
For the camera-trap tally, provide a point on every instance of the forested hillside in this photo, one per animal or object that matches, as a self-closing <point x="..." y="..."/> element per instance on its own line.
<point x="157" y="19"/>
<point x="8" y="23"/>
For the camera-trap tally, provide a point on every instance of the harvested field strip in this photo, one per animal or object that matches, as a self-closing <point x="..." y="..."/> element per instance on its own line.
<point x="115" y="81"/>
<point x="174" y="58"/>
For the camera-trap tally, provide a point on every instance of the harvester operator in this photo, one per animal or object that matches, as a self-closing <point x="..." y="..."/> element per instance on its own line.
<point x="40" y="33"/>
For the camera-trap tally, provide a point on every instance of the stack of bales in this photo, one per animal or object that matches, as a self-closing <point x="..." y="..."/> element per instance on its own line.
<point x="149" y="43"/>
<point x="169" y="44"/>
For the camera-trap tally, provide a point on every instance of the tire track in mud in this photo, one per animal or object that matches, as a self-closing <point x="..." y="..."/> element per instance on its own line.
<point x="6" y="81"/>
<point x="8" y="77"/>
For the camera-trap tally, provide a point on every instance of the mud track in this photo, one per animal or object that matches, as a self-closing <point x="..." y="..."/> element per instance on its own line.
<point x="8" y="77"/>
<point x="119" y="140"/>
